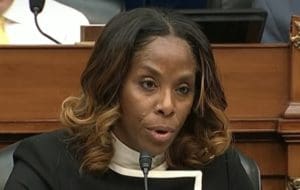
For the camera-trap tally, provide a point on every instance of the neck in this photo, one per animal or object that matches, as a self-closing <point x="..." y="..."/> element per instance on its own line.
<point x="129" y="158"/>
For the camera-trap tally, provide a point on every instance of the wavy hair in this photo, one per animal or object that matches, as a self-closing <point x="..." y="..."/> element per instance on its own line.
<point x="91" y="115"/>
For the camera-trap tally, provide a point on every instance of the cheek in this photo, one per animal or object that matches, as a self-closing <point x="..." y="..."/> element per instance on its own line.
<point x="185" y="110"/>
<point x="134" y="104"/>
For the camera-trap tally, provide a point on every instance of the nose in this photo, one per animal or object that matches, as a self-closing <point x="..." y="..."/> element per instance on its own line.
<point x="165" y="105"/>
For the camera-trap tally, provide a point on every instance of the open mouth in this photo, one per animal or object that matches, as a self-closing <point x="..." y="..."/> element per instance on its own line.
<point x="160" y="134"/>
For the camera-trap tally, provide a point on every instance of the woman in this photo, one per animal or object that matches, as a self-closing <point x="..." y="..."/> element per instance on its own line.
<point x="150" y="85"/>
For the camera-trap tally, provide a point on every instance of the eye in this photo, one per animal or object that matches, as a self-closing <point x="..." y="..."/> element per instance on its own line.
<point x="183" y="90"/>
<point x="148" y="84"/>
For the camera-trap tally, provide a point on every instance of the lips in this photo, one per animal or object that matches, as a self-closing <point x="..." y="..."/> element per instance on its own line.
<point x="160" y="134"/>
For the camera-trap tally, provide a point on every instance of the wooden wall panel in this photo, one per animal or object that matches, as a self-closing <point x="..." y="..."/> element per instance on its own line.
<point x="273" y="183"/>
<point x="35" y="79"/>
<point x="293" y="160"/>
<point x="255" y="79"/>
<point x="267" y="155"/>
<point x="270" y="156"/>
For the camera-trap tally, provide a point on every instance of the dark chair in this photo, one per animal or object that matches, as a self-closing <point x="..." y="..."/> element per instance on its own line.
<point x="251" y="169"/>
<point x="6" y="163"/>
<point x="6" y="166"/>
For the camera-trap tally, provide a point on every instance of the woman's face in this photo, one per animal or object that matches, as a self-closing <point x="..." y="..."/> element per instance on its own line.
<point x="157" y="95"/>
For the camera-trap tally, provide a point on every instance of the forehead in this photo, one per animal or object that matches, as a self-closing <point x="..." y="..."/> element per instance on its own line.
<point x="166" y="47"/>
<point x="165" y="53"/>
<point x="159" y="44"/>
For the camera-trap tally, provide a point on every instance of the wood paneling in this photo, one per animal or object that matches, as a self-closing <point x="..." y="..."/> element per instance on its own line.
<point x="34" y="83"/>
<point x="255" y="79"/>
<point x="293" y="160"/>
<point x="277" y="183"/>
<point x="274" y="152"/>
<point x="90" y="33"/>
<point x="34" y="80"/>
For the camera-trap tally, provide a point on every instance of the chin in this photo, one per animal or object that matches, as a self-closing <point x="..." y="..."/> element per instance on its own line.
<point x="156" y="151"/>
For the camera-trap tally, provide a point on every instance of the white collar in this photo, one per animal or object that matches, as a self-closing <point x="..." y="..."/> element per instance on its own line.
<point x="129" y="158"/>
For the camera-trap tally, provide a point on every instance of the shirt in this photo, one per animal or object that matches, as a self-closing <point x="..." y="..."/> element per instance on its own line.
<point x="44" y="162"/>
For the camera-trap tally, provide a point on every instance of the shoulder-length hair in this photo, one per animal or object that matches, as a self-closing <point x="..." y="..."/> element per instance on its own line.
<point x="91" y="115"/>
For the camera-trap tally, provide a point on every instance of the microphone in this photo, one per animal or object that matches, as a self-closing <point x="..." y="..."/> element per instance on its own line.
<point x="36" y="6"/>
<point x="145" y="164"/>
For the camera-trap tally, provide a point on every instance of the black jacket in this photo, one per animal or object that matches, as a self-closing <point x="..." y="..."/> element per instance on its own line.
<point x="43" y="162"/>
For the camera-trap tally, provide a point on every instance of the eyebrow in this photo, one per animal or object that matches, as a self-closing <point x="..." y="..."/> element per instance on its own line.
<point x="149" y="67"/>
<point x="153" y="70"/>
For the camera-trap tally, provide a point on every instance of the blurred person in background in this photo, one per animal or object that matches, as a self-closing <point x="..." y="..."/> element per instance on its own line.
<point x="57" y="20"/>
<point x="277" y="26"/>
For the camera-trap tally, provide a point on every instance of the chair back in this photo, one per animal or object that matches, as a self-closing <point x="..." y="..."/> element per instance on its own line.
<point x="6" y="163"/>
<point x="251" y="169"/>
